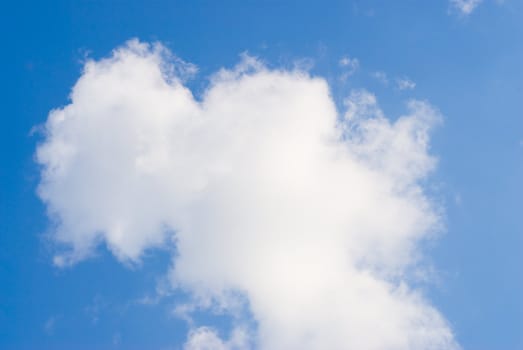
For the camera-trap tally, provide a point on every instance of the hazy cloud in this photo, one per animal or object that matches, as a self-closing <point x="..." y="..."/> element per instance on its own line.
<point x="465" y="7"/>
<point x="349" y="67"/>
<point x="381" y="77"/>
<point x="49" y="325"/>
<point x="405" y="84"/>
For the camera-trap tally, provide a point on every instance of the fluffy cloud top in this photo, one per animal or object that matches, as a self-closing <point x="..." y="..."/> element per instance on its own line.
<point x="277" y="203"/>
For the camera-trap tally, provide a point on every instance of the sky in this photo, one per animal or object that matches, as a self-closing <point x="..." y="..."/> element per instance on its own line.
<point x="262" y="175"/>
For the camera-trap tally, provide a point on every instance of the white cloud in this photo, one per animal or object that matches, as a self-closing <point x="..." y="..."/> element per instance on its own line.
<point x="346" y="61"/>
<point x="205" y="338"/>
<point x="277" y="203"/>
<point x="381" y="77"/>
<point x="405" y="83"/>
<point x="349" y="67"/>
<point x="465" y="7"/>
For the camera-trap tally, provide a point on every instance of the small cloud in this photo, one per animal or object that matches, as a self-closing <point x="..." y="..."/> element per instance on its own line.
<point x="117" y="339"/>
<point x="346" y="61"/>
<point x="349" y="66"/>
<point x="303" y="64"/>
<point x="381" y="77"/>
<point x="162" y="291"/>
<point x="148" y="300"/>
<point x="183" y="311"/>
<point x="465" y="7"/>
<point x="457" y="199"/>
<point x="208" y="338"/>
<point x="357" y="10"/>
<point x="50" y="324"/>
<point x="59" y="261"/>
<point x="94" y="309"/>
<point x="405" y="83"/>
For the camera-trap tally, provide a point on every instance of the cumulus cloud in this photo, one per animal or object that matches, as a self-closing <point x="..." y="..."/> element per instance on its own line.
<point x="465" y="7"/>
<point x="305" y="219"/>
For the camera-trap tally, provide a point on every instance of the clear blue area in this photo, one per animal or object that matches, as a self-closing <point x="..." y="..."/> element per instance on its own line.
<point x="471" y="68"/>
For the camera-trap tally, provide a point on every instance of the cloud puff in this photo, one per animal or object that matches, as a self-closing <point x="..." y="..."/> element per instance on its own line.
<point x="465" y="7"/>
<point x="279" y="205"/>
<point x="405" y="84"/>
<point x="381" y="77"/>
<point x="349" y="67"/>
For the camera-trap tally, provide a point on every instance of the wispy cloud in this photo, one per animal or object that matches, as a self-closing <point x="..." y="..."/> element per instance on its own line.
<point x="50" y="324"/>
<point x="381" y="77"/>
<point x="465" y="7"/>
<point x="349" y="67"/>
<point x="405" y="83"/>
<point x="94" y="309"/>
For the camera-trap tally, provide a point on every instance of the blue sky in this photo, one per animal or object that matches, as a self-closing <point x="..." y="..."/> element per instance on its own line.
<point x="468" y="66"/>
